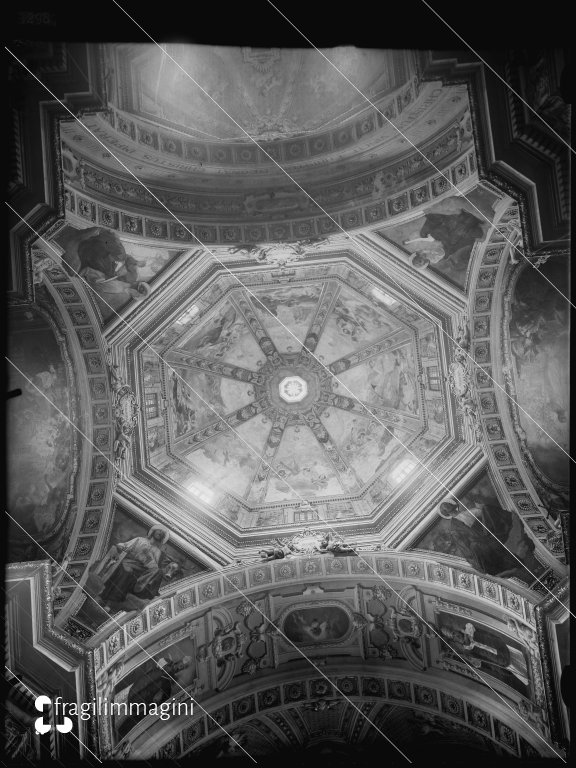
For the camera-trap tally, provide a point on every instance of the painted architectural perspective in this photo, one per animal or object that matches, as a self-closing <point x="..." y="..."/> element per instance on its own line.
<point x="288" y="405"/>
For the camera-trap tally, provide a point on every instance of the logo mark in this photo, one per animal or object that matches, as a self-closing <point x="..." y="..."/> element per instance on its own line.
<point x="42" y="727"/>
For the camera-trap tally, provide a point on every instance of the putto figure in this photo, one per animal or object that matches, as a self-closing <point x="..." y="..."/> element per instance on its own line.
<point x="277" y="552"/>
<point x="337" y="547"/>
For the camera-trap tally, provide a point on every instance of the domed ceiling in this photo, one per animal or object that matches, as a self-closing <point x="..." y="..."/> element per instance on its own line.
<point x="270" y="92"/>
<point x="286" y="112"/>
<point x="314" y="371"/>
<point x="285" y="405"/>
<point x="289" y="374"/>
<point x="279" y="397"/>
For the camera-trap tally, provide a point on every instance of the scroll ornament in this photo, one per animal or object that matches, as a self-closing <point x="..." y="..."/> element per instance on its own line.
<point x="460" y="380"/>
<point x="278" y="254"/>
<point x="125" y="409"/>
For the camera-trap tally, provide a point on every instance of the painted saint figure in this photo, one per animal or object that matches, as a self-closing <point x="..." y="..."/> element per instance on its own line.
<point x="486" y="650"/>
<point x="98" y="255"/>
<point x="476" y="534"/>
<point x="153" y="686"/>
<point x="446" y="238"/>
<point x="131" y="573"/>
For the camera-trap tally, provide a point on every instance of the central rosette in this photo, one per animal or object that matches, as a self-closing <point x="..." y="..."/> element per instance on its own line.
<point x="293" y="389"/>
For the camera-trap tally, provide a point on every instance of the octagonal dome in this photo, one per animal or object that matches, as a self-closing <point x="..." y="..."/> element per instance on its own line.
<point x="290" y="401"/>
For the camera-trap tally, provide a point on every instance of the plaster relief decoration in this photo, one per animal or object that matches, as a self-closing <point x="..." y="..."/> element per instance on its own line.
<point x="227" y="647"/>
<point x="279" y="255"/>
<point x="380" y="198"/>
<point x="309" y="542"/>
<point x="115" y="269"/>
<point x="258" y="631"/>
<point x="525" y="486"/>
<point x="240" y="647"/>
<point x="41" y="462"/>
<point x="442" y="239"/>
<point x="490" y="550"/>
<point x="460" y="379"/>
<point x="125" y="410"/>
<point x="42" y="261"/>
<point x="340" y="619"/>
<point x="229" y="191"/>
<point x="539" y="341"/>
<point x="322" y="705"/>
<point x="394" y="632"/>
<point x="139" y="562"/>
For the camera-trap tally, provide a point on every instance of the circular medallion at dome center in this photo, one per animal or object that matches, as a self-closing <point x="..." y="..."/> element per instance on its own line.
<point x="293" y="389"/>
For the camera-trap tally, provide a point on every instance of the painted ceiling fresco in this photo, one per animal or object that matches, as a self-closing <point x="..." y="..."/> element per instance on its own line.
<point x="115" y="269"/>
<point x="477" y="534"/>
<point x="442" y="239"/>
<point x="269" y="91"/>
<point x="42" y="438"/>
<point x="149" y="565"/>
<point x="539" y="340"/>
<point x="252" y="413"/>
<point x="349" y="155"/>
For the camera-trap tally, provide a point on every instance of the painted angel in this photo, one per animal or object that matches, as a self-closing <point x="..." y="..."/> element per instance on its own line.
<point x="321" y="705"/>
<point x="318" y="631"/>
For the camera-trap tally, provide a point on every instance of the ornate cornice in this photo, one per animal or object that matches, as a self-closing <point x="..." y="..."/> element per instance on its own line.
<point x="299" y="218"/>
<point x="234" y="633"/>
